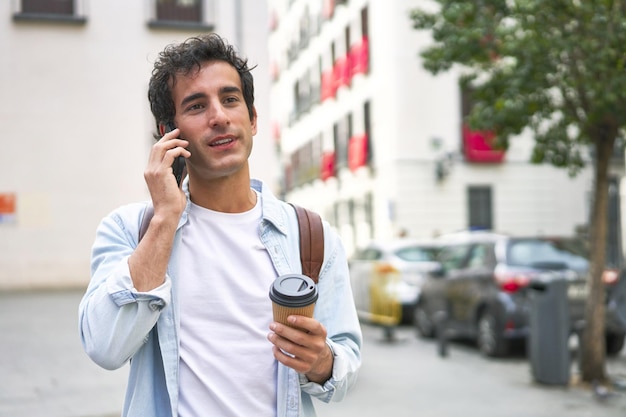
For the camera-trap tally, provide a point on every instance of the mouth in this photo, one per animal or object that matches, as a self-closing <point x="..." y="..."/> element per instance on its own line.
<point x="221" y="141"/>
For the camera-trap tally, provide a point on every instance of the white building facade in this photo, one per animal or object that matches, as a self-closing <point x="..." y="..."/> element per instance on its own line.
<point x="377" y="145"/>
<point x="75" y="119"/>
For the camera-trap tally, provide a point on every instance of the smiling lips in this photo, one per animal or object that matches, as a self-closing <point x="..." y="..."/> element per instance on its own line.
<point x="221" y="141"/>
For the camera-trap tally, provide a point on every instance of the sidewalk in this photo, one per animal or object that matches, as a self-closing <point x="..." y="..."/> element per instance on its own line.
<point x="43" y="369"/>
<point x="44" y="372"/>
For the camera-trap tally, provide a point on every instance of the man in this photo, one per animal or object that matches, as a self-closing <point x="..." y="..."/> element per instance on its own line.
<point x="188" y="304"/>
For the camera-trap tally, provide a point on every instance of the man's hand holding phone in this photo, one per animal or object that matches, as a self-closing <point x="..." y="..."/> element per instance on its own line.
<point x="148" y="262"/>
<point x="167" y="156"/>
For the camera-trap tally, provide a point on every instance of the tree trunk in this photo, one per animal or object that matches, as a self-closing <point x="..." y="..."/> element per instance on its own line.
<point x="593" y="346"/>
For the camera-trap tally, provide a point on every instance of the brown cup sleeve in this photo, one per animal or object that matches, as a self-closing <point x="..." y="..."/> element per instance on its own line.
<point x="281" y="312"/>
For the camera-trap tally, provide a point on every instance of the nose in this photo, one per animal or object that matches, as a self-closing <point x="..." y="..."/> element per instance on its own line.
<point x="218" y="116"/>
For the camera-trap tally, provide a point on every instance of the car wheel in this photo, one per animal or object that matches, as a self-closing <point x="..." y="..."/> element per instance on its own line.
<point x="489" y="337"/>
<point x="408" y="314"/>
<point x="614" y="343"/>
<point x="423" y="324"/>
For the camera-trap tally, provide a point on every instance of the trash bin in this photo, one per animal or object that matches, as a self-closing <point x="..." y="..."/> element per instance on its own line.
<point x="549" y="332"/>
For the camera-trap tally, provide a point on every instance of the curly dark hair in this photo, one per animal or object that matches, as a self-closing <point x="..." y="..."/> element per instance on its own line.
<point x="182" y="59"/>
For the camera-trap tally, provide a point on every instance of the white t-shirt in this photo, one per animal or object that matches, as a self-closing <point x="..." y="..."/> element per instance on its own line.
<point x="226" y="362"/>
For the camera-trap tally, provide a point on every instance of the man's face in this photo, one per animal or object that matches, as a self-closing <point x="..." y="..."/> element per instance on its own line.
<point x="211" y="114"/>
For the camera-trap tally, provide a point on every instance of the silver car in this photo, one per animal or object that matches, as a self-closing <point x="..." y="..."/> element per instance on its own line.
<point x="386" y="278"/>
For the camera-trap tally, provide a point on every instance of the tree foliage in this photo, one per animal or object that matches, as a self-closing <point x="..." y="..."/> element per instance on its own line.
<point x="556" y="67"/>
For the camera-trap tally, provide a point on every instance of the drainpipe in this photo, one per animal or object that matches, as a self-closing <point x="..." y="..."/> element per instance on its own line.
<point x="238" y="25"/>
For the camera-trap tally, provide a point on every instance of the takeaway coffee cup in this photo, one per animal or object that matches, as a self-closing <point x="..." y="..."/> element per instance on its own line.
<point x="292" y="294"/>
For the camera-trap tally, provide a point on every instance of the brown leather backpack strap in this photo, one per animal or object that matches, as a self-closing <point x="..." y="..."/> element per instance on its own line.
<point x="311" y="242"/>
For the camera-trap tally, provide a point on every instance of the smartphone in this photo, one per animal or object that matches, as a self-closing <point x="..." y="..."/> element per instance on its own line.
<point x="179" y="165"/>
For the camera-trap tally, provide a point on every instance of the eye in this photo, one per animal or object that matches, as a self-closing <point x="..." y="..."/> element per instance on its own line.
<point x="196" y="106"/>
<point x="231" y="99"/>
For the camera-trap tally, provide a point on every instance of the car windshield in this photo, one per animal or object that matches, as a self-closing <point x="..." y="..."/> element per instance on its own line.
<point x="417" y="254"/>
<point x="547" y="254"/>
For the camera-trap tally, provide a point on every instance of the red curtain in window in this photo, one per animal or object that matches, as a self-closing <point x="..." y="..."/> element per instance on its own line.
<point x="327" y="169"/>
<point x="359" y="57"/>
<point x="357" y="151"/>
<point x="341" y="72"/>
<point x="328" y="89"/>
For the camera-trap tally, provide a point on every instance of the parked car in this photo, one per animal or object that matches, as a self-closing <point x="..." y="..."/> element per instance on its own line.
<point x="390" y="272"/>
<point x="482" y="289"/>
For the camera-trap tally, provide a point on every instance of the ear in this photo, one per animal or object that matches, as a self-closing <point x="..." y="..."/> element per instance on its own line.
<point x="162" y="129"/>
<point x="253" y="121"/>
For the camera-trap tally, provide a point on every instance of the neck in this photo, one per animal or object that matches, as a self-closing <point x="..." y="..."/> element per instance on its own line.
<point x="226" y="195"/>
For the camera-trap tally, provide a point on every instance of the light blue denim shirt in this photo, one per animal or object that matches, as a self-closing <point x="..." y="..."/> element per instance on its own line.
<point x="117" y="323"/>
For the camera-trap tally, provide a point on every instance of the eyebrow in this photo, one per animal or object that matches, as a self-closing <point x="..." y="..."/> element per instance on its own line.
<point x="195" y="96"/>
<point x="192" y="97"/>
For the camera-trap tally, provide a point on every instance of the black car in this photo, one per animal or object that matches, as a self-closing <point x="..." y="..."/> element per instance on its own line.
<point x="483" y="289"/>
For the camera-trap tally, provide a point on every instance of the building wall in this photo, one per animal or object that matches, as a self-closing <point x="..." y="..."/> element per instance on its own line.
<point x="77" y="129"/>
<point x="415" y="125"/>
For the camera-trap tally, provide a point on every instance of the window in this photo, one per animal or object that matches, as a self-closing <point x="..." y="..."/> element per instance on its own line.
<point x="417" y="254"/>
<point x="53" y="10"/>
<point x="481" y="256"/>
<point x="369" y="213"/>
<point x="306" y="92"/>
<point x="369" y="254"/>
<point x="364" y="22"/>
<point x="62" y="7"/>
<point x="367" y="121"/>
<point x="453" y="257"/>
<point x="182" y="13"/>
<point x="179" y="10"/>
<point x="352" y="218"/>
<point x="359" y="51"/>
<point x="480" y="207"/>
<point x="305" y="28"/>
<point x="342" y="131"/>
<point x="478" y="145"/>
<point x="305" y="161"/>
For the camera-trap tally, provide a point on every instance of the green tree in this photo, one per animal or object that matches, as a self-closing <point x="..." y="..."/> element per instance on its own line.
<point x="557" y="68"/>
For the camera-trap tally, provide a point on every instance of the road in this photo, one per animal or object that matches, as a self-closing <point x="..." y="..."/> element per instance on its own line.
<point x="44" y="372"/>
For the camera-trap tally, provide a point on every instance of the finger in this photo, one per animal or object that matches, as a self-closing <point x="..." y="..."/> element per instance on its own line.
<point x="166" y="151"/>
<point x="175" y="152"/>
<point x="171" y="144"/>
<point x="162" y="157"/>
<point x="294" y="356"/>
<point x="171" y="140"/>
<point x="307" y="324"/>
<point x="298" y="343"/>
<point x="170" y="135"/>
<point x="296" y="335"/>
<point x="290" y="360"/>
<point x="289" y="340"/>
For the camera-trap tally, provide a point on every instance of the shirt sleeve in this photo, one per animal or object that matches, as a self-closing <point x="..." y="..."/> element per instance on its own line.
<point x="336" y="311"/>
<point x="114" y="318"/>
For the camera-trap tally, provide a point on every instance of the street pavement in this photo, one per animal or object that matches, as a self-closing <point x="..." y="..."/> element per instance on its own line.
<point x="44" y="372"/>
